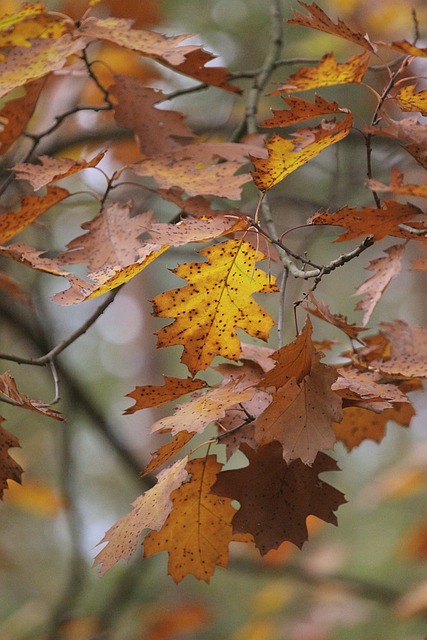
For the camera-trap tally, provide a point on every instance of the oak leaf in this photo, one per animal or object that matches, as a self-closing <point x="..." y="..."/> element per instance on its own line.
<point x="396" y="186"/>
<point x="356" y="384"/>
<point x="151" y="395"/>
<point x="216" y="300"/>
<point x="149" y="512"/>
<point x="385" y="270"/>
<point x="300" y="415"/>
<point x="411" y="101"/>
<point x="408" y="353"/>
<point x="16" y="113"/>
<point x="276" y="497"/>
<point x="300" y="110"/>
<point x="320" y="309"/>
<point x="360" y="424"/>
<point x="167" y="451"/>
<point x="32" y="207"/>
<point x="52" y="169"/>
<point x="285" y="155"/>
<point x="370" y="221"/>
<point x="409" y="130"/>
<point x="317" y="19"/>
<point x="31" y="22"/>
<point x="405" y="47"/>
<point x="198" y="530"/>
<point x="326" y="73"/>
<point x="9" y="390"/>
<point x="9" y="468"/>
<point x="197" y="229"/>
<point x="32" y="258"/>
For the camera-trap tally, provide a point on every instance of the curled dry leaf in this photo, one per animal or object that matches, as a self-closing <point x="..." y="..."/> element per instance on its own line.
<point x="52" y="169"/>
<point x="320" y="309"/>
<point x="9" y="389"/>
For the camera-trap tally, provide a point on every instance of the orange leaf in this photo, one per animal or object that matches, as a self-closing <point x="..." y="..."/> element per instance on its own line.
<point x="385" y="270"/>
<point x="370" y="220"/>
<point x="52" y="169"/>
<point x="184" y="619"/>
<point x="320" y="310"/>
<point x="32" y="207"/>
<point x="405" y="47"/>
<point x="276" y="498"/>
<point x="284" y="156"/>
<point x="300" y="415"/>
<point x="411" y="101"/>
<point x="197" y="531"/>
<point x="9" y="468"/>
<point x="360" y="424"/>
<point x="152" y="395"/>
<point x="216" y="300"/>
<point x="167" y="451"/>
<point x="328" y="72"/>
<point x="9" y="389"/>
<point x="396" y="186"/>
<point x="16" y="113"/>
<point x="149" y="512"/>
<point x="317" y="19"/>
<point x="300" y="109"/>
<point x="158" y="130"/>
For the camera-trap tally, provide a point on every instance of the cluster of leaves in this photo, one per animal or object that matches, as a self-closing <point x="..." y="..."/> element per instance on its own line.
<point x="280" y="408"/>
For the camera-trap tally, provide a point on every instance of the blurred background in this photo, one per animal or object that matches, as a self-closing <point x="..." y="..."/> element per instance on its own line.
<point x="366" y="579"/>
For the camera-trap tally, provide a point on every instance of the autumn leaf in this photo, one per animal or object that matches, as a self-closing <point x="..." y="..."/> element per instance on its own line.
<point x="158" y="130"/>
<point x="16" y="113"/>
<point x="355" y="384"/>
<point x="320" y="310"/>
<point x="9" y="468"/>
<point x="197" y="531"/>
<point x="32" y="207"/>
<point x="9" y="390"/>
<point x="52" y="169"/>
<point x="409" y="130"/>
<point x="276" y="497"/>
<point x="31" y="22"/>
<point x="317" y="19"/>
<point x="408" y="356"/>
<point x="195" y="168"/>
<point x="300" y="110"/>
<point x="149" y="512"/>
<point x="396" y="186"/>
<point x="360" y="424"/>
<point x="167" y="451"/>
<point x="151" y="395"/>
<point x="216" y="300"/>
<point x="385" y="270"/>
<point x="411" y="101"/>
<point x="32" y="258"/>
<point x="285" y="156"/>
<point x="111" y="238"/>
<point x="12" y="287"/>
<point x="198" y="229"/>
<point x="370" y="221"/>
<point x="300" y="415"/>
<point x="326" y="73"/>
<point x="405" y="47"/>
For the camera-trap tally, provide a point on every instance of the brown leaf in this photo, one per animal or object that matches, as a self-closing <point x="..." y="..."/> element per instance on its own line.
<point x="396" y="186"/>
<point x="9" y="468"/>
<point x="385" y="270"/>
<point x="300" y="415"/>
<point x="409" y="130"/>
<point x="300" y="110"/>
<point x="408" y="357"/>
<point x="149" y="512"/>
<point x="167" y="451"/>
<point x="317" y="19"/>
<point x="158" y="130"/>
<point x="24" y="254"/>
<point x="52" y="169"/>
<point x="370" y="220"/>
<point x="360" y="424"/>
<point x="9" y="389"/>
<point x="32" y="207"/>
<point x="197" y="230"/>
<point x="276" y="498"/>
<point x="10" y="286"/>
<point x="151" y="395"/>
<point x="198" y="531"/>
<point x="328" y="72"/>
<point x="111" y="239"/>
<point x="16" y="113"/>
<point x="320" y="309"/>
<point x="355" y="384"/>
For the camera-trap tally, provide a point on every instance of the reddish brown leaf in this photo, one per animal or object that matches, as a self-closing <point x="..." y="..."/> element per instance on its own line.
<point x="16" y="113"/>
<point x="300" y="110"/>
<point x="385" y="270"/>
<point x="320" y="310"/>
<point x="149" y="512"/>
<point x="198" y="530"/>
<point x="370" y="220"/>
<point x="328" y="72"/>
<point x="158" y="130"/>
<point x="9" y="468"/>
<point x="317" y="19"/>
<point x="52" y="169"/>
<point x="396" y="186"/>
<point x="300" y="415"/>
<point x="152" y="395"/>
<point x="276" y="498"/>
<point x="360" y="424"/>
<point x="32" y="207"/>
<point x="167" y="451"/>
<point x="9" y="389"/>
<point x="409" y="130"/>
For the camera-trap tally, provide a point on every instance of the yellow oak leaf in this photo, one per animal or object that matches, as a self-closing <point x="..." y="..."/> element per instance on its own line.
<point x="149" y="512"/>
<point x="300" y="109"/>
<point x="411" y="101"/>
<point x="19" y="29"/>
<point x="198" y="530"/>
<point x="32" y="207"/>
<point x="215" y="302"/>
<point x="328" y="72"/>
<point x="285" y="155"/>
